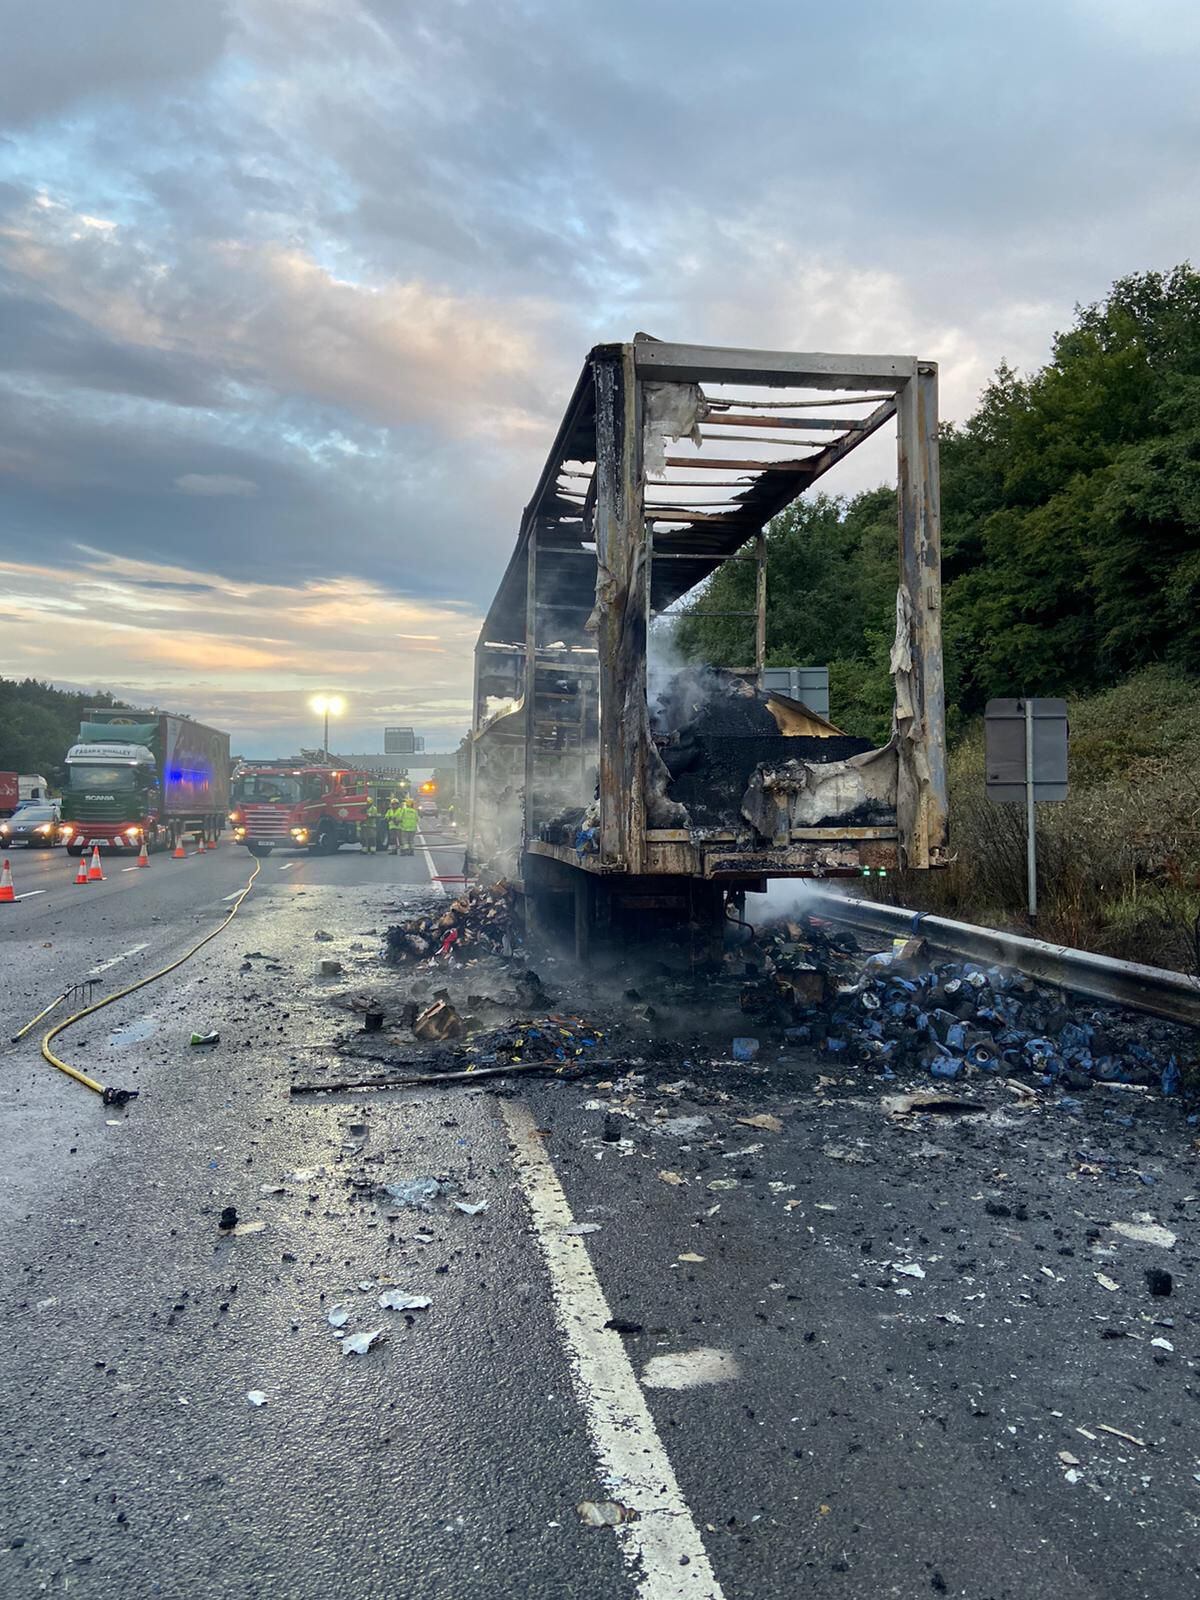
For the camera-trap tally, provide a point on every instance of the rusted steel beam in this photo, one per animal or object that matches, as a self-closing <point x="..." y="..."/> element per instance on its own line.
<point x="531" y="616"/>
<point x="732" y="419"/>
<point x="739" y="482"/>
<point x="682" y="515"/>
<point x="716" y="464"/>
<point x="795" y="405"/>
<point x="621" y="607"/>
<point x="760" y="605"/>
<point x="833" y="453"/>
<point x="700" y="555"/>
<point x="753" y="438"/>
<point x="921" y="795"/>
<point x="658" y="362"/>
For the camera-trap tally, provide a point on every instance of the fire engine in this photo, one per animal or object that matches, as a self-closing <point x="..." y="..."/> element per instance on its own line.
<point x="297" y="804"/>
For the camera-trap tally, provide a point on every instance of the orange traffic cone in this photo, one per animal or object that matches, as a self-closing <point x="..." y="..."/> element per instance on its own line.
<point x="81" y="876"/>
<point x="202" y="847"/>
<point x="179" y="853"/>
<point x="143" y="859"/>
<point x="95" y="871"/>
<point x="7" y="897"/>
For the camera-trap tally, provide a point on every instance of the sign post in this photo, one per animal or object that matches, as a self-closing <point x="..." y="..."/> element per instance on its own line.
<point x="1025" y="759"/>
<point x="1030" y="816"/>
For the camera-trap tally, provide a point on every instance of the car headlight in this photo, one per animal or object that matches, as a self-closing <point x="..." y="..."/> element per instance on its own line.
<point x="4" y="828"/>
<point x="66" y="831"/>
<point x="45" y="828"/>
<point x="132" y="833"/>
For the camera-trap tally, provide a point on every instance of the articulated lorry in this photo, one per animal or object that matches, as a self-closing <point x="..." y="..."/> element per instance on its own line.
<point x="18" y="787"/>
<point x="299" y="805"/>
<point x="617" y="787"/>
<point x="143" y="775"/>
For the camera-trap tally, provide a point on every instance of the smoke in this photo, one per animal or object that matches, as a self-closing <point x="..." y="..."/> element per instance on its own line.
<point x="679" y="690"/>
<point x="664" y="661"/>
<point x="785" y="897"/>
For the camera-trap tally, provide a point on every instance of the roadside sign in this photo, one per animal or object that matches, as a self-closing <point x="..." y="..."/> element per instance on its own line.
<point x="1006" y="744"/>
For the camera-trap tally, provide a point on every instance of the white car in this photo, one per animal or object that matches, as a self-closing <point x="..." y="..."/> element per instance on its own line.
<point x="33" y="823"/>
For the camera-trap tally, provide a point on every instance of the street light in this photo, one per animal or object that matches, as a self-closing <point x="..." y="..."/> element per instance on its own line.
<point x="327" y="705"/>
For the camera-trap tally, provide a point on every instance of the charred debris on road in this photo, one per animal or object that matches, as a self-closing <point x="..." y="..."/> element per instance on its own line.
<point x="457" y="995"/>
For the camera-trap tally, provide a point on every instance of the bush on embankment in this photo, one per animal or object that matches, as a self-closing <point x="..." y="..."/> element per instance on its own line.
<point x="1118" y="861"/>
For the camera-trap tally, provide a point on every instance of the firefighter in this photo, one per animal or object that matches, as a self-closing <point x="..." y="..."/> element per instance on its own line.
<point x="410" y="821"/>
<point x="370" y="827"/>
<point x="393" y="825"/>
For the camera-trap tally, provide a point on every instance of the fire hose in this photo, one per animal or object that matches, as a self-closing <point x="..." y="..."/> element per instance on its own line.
<point x="109" y="1095"/>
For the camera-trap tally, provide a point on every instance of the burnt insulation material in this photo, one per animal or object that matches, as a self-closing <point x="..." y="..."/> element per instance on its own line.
<point x="712" y="704"/>
<point x="709" y="775"/>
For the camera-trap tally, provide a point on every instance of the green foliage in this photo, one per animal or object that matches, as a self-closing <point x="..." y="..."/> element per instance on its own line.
<point x="1071" y="530"/>
<point x="39" y="724"/>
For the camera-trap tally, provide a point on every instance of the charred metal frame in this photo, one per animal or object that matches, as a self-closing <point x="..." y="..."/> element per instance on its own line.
<point x="600" y="553"/>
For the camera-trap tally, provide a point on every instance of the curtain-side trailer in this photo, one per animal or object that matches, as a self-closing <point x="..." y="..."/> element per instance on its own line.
<point x="606" y="777"/>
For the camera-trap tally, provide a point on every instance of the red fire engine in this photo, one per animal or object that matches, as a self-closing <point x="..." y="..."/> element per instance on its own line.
<point x="294" y="803"/>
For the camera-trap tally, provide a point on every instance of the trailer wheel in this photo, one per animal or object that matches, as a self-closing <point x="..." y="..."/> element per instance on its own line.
<point x="257" y="849"/>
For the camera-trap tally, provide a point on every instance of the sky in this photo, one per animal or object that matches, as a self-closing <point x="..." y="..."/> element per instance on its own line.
<point x="292" y="292"/>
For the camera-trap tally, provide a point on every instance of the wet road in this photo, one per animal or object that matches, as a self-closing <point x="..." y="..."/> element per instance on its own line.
<point x="906" y="1330"/>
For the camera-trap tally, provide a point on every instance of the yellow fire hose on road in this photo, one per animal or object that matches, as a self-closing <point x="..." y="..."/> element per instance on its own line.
<point x="119" y="1097"/>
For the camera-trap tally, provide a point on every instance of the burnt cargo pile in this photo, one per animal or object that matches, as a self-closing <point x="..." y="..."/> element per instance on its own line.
<point x="893" y="1012"/>
<point x="478" y="923"/>
<point x="714" y="730"/>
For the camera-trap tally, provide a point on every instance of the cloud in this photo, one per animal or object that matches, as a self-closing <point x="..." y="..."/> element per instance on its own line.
<point x="215" y="483"/>
<point x="59" y="52"/>
<point x="234" y="648"/>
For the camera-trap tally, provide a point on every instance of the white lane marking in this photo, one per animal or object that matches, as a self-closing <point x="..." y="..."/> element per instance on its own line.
<point x="429" y="866"/>
<point x="663" y="1547"/>
<point x="29" y="894"/>
<point x="128" y="869"/>
<point x="113" y="960"/>
<point x="288" y="865"/>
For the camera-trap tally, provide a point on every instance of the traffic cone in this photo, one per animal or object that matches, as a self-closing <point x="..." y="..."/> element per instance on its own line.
<point x="7" y="897"/>
<point x="95" y="871"/>
<point x="179" y="853"/>
<point x="81" y="876"/>
<point x="143" y="859"/>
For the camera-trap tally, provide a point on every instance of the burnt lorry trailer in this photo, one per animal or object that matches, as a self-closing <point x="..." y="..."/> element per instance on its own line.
<point x="613" y="783"/>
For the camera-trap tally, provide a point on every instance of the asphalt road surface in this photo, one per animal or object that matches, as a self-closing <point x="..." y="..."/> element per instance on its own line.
<point x="858" y="1354"/>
